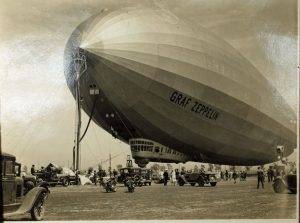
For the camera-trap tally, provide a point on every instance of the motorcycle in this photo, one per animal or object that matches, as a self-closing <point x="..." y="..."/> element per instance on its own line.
<point x="130" y="185"/>
<point x="110" y="185"/>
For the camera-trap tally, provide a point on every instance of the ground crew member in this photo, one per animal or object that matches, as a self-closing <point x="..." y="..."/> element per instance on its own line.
<point x="173" y="177"/>
<point x="76" y="178"/>
<point x="177" y="173"/>
<point x="182" y="171"/>
<point x="226" y="175"/>
<point x="269" y="173"/>
<point x="234" y="176"/>
<point x="32" y="170"/>
<point x="260" y="177"/>
<point x="166" y="176"/>
<point x="115" y="173"/>
<point x="95" y="177"/>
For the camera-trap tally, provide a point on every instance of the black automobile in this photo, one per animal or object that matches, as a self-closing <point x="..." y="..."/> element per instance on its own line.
<point x="288" y="181"/>
<point x="141" y="176"/>
<point x="54" y="175"/>
<point x="200" y="178"/>
<point x="14" y="199"/>
<point x="29" y="181"/>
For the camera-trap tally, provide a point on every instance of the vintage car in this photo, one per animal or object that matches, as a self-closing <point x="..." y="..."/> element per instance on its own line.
<point x="28" y="180"/>
<point x="14" y="201"/>
<point x="141" y="176"/>
<point x="70" y="173"/>
<point x="200" y="178"/>
<point x="54" y="175"/>
<point x="288" y="181"/>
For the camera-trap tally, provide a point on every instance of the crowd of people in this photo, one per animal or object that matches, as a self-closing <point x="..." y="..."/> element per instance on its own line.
<point x="97" y="176"/>
<point x="232" y="174"/>
<point x="173" y="175"/>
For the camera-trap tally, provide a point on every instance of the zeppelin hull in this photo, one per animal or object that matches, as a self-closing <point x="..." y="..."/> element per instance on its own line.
<point x="179" y="85"/>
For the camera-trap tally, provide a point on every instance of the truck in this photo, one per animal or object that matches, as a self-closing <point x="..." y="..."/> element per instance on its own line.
<point x="200" y="178"/>
<point x="16" y="199"/>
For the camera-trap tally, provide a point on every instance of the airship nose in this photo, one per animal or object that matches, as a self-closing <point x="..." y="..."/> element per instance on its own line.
<point x="72" y="51"/>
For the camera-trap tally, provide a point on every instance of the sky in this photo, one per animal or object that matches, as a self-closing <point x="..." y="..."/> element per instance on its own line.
<point x="37" y="108"/>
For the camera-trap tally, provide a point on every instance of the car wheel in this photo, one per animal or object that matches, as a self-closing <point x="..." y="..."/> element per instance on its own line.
<point x="38" y="210"/>
<point x="213" y="184"/>
<point x="65" y="182"/>
<point x="180" y="182"/>
<point x="278" y="186"/>
<point x="193" y="184"/>
<point x="136" y="177"/>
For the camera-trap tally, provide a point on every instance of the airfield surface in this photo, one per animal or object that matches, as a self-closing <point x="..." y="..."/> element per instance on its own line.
<point x="225" y="201"/>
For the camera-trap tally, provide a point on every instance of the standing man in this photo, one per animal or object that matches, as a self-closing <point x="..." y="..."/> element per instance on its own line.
<point x="32" y="170"/>
<point x="272" y="174"/>
<point x="177" y="174"/>
<point x="95" y="177"/>
<point x="269" y="175"/>
<point x="76" y="177"/>
<point x="173" y="177"/>
<point x="166" y="176"/>
<point x="260" y="177"/>
<point x="182" y="171"/>
<point x="115" y="173"/>
<point x="234" y="176"/>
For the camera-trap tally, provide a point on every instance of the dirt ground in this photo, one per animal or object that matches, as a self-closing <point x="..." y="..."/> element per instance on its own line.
<point x="225" y="201"/>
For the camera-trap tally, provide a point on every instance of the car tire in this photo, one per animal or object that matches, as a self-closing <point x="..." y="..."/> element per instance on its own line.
<point x="65" y="182"/>
<point x="193" y="184"/>
<point x="38" y="210"/>
<point x="136" y="177"/>
<point x="213" y="184"/>
<point x="180" y="182"/>
<point x="278" y="186"/>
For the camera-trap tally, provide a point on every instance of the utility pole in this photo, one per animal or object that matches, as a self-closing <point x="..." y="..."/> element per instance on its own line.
<point x="109" y="165"/>
<point x="79" y="67"/>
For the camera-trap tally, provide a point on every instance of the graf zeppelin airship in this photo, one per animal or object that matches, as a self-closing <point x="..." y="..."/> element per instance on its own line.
<point x="175" y="92"/>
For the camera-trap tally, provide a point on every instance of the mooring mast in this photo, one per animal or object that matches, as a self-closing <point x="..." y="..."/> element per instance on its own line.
<point x="80" y="67"/>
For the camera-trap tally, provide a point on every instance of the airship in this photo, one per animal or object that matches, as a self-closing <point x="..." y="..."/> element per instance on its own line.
<point x="176" y="92"/>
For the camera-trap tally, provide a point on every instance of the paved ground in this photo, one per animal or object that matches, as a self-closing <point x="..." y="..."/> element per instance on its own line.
<point x="225" y="201"/>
